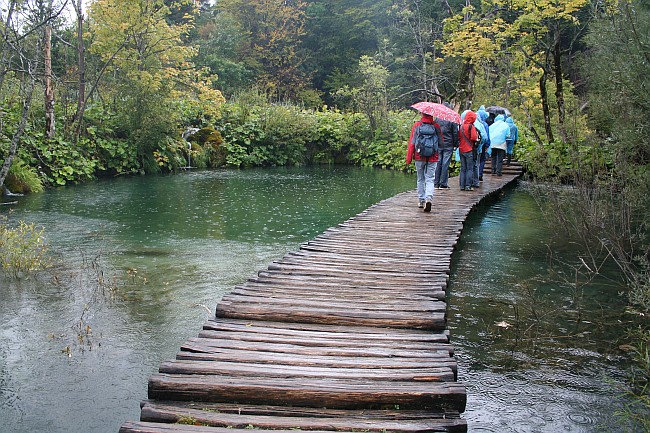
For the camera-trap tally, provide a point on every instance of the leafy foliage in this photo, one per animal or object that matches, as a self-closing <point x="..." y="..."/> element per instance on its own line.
<point x="22" y="248"/>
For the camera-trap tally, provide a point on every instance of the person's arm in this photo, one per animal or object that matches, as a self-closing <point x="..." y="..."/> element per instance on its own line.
<point x="411" y="146"/>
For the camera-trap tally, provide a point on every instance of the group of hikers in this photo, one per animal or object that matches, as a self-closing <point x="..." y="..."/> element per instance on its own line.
<point x="481" y="134"/>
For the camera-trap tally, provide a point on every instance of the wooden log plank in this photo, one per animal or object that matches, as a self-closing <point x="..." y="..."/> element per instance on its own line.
<point x="370" y="256"/>
<point x="393" y="414"/>
<point x="424" y="351"/>
<point x="328" y="341"/>
<point x="435" y="283"/>
<point x="419" y="266"/>
<point x="394" y="319"/>
<point x="358" y="293"/>
<point x="369" y="275"/>
<point x="303" y="330"/>
<point x="368" y="262"/>
<point x="191" y="353"/>
<point x="222" y="368"/>
<point x="172" y="413"/>
<point x="331" y="393"/>
<point x="359" y="303"/>
<point x="324" y="269"/>
<point x="154" y="427"/>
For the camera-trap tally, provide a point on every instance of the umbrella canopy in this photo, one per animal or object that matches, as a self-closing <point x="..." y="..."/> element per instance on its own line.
<point x="498" y="110"/>
<point x="437" y="110"/>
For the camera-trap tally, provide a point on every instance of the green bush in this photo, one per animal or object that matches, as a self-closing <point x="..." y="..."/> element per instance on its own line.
<point x="23" y="179"/>
<point x="60" y="161"/>
<point x="22" y="248"/>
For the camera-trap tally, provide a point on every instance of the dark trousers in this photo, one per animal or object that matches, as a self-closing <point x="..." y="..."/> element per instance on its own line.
<point x="497" y="160"/>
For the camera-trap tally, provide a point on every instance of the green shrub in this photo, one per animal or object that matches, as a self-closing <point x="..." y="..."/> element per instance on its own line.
<point x="23" y="178"/>
<point x="22" y="248"/>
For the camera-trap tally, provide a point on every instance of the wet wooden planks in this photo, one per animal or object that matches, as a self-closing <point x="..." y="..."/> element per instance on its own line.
<point x="346" y="334"/>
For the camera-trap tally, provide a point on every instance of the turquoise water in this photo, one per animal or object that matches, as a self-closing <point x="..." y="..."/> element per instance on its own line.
<point x="142" y="262"/>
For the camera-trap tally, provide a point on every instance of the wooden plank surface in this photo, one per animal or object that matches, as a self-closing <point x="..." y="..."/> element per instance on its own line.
<point x="346" y="334"/>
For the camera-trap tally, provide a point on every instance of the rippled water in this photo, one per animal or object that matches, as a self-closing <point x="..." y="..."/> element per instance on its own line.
<point x="537" y="355"/>
<point x="141" y="262"/>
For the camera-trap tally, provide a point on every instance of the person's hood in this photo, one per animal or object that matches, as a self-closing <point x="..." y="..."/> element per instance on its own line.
<point x="482" y="108"/>
<point x="499" y="118"/>
<point x="482" y="113"/>
<point x="470" y="117"/>
<point x="509" y="121"/>
<point x="427" y="118"/>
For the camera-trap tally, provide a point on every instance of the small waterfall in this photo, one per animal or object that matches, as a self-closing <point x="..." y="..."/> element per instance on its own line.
<point x="187" y="133"/>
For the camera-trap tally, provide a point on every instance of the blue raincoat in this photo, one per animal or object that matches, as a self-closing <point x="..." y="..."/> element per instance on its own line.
<point x="514" y="135"/>
<point x="499" y="133"/>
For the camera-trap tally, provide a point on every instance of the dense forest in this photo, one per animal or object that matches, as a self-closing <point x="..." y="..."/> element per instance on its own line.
<point x="115" y="87"/>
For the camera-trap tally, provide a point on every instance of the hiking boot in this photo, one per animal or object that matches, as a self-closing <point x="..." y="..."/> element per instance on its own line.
<point x="421" y="204"/>
<point x="427" y="206"/>
<point x="469" y="188"/>
<point x="444" y="187"/>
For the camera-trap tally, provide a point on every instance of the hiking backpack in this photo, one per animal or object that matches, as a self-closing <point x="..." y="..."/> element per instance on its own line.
<point x="426" y="140"/>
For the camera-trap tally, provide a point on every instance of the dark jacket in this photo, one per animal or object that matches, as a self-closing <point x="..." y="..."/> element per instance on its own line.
<point x="449" y="134"/>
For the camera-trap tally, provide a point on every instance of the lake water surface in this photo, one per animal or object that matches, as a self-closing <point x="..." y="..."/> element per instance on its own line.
<point x="142" y="263"/>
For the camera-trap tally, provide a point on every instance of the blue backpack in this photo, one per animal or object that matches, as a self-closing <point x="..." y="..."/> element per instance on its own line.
<point x="426" y="140"/>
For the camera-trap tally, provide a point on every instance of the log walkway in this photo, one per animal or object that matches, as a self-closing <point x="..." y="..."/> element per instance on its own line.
<point x="347" y="334"/>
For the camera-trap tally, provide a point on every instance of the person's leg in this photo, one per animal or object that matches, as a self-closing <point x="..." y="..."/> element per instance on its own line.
<point x="469" y="173"/>
<point x="443" y="167"/>
<point x="482" y="164"/>
<point x="499" y="163"/>
<point x="419" y="167"/>
<point x="438" y="174"/>
<point x="429" y="174"/>
<point x="461" y="174"/>
<point x="509" y="149"/>
<point x="494" y="161"/>
<point x="475" y="175"/>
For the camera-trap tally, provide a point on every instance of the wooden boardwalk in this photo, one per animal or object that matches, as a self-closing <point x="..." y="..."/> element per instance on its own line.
<point x="347" y="334"/>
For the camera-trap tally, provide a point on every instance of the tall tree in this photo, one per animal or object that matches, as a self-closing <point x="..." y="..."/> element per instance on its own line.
<point x="81" y="70"/>
<point x="50" y="124"/>
<point x="22" y="43"/>
<point x="153" y="84"/>
<point x="274" y="29"/>
<point x="414" y="21"/>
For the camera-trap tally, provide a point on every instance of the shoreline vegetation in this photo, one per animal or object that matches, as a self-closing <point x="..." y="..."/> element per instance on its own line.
<point x="127" y="87"/>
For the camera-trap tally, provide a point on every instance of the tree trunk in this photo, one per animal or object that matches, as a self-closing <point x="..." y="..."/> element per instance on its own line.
<point x="559" y="84"/>
<point x="469" y="85"/>
<point x="547" y="113"/>
<point x="50" y="124"/>
<point x="81" y="59"/>
<point x="5" y="46"/>
<point x="13" y="147"/>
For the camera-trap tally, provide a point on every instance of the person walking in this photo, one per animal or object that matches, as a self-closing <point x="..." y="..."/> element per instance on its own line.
<point x="481" y="115"/>
<point x="514" y="137"/>
<point x="446" y="150"/>
<point x="499" y="133"/>
<point x="425" y="166"/>
<point x="468" y="136"/>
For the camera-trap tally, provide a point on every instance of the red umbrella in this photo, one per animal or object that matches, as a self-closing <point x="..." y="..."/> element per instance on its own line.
<point x="438" y="110"/>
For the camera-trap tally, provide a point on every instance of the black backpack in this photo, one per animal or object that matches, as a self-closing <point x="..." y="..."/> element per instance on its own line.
<point x="426" y="140"/>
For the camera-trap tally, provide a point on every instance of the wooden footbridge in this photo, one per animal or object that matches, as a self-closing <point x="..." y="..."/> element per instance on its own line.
<point x="347" y="334"/>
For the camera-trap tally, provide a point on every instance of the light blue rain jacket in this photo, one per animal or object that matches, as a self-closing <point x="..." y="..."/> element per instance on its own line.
<point x="499" y="133"/>
<point x="514" y="135"/>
